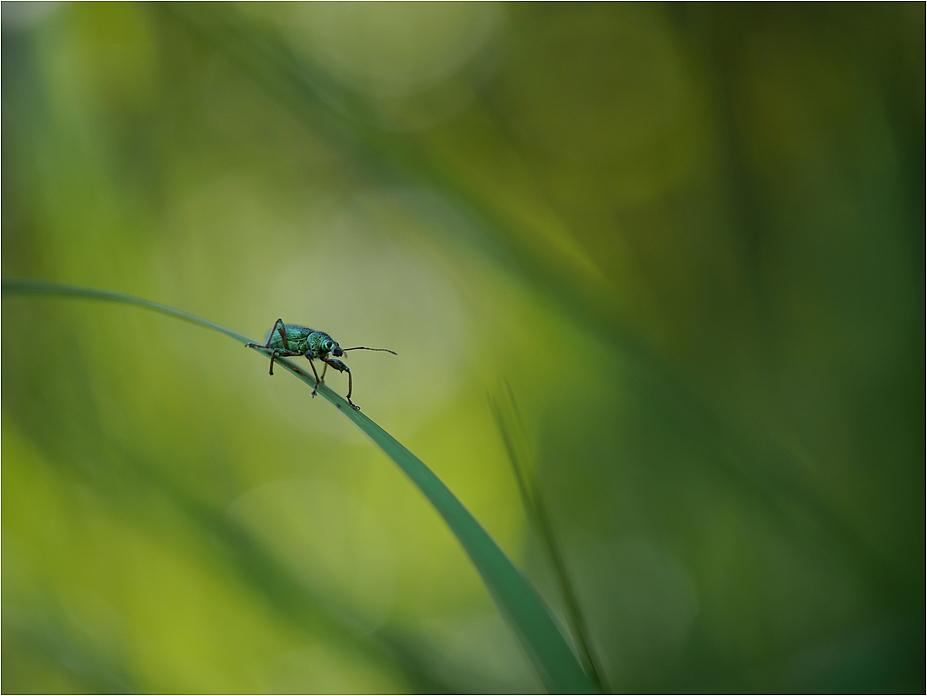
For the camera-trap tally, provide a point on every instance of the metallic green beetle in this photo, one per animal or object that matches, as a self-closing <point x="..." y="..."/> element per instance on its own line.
<point x="291" y="340"/>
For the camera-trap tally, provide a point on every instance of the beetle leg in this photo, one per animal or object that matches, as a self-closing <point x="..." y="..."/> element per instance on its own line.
<point x="350" y="390"/>
<point x="280" y="328"/>
<point x="341" y="367"/>
<point x="316" y="374"/>
<point x="278" y="353"/>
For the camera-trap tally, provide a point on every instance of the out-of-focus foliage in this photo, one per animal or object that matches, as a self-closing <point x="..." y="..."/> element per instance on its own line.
<point x="690" y="237"/>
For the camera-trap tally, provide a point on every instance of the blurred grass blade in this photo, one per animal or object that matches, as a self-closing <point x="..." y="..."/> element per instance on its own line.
<point x="508" y="419"/>
<point x="527" y="615"/>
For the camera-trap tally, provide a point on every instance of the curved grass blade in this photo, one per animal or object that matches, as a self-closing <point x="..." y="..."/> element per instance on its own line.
<point x="25" y="286"/>
<point x="520" y="604"/>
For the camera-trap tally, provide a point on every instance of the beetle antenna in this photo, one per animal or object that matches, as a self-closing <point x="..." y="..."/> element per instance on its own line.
<point x="384" y="350"/>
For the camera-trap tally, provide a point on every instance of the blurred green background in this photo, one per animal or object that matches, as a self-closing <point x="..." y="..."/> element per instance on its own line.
<point x="690" y="237"/>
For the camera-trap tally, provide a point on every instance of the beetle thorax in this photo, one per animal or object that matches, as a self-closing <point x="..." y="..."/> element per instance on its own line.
<point x="321" y="344"/>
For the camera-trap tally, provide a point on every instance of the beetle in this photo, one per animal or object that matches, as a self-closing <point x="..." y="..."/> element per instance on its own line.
<point x="292" y="340"/>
